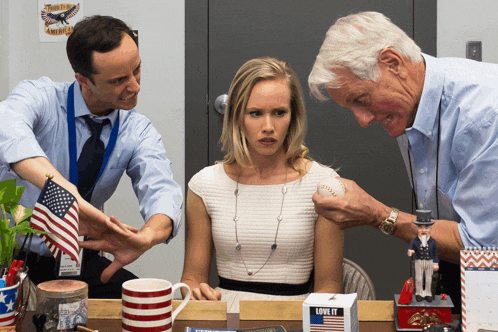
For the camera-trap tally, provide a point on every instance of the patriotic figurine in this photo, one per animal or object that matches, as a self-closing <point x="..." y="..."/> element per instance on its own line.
<point x="426" y="258"/>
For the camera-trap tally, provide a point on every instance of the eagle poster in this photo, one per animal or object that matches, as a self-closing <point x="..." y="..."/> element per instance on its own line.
<point x="57" y="19"/>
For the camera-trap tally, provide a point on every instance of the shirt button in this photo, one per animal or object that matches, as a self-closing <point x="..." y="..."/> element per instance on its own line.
<point x="422" y="171"/>
<point x="421" y="205"/>
<point x="429" y="133"/>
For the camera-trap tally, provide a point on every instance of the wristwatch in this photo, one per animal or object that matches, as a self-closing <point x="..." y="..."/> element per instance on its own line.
<point x="388" y="225"/>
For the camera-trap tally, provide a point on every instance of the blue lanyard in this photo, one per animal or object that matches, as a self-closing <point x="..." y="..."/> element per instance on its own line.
<point x="71" y="126"/>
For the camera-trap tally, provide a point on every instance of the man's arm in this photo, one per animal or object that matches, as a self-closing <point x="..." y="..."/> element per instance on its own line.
<point x="151" y="175"/>
<point x="122" y="241"/>
<point x="127" y="245"/>
<point x="357" y="208"/>
<point x="92" y="221"/>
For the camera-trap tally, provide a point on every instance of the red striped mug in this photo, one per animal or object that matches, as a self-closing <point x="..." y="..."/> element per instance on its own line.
<point x="147" y="305"/>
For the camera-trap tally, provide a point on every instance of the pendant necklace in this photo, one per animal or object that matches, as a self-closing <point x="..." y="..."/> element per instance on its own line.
<point x="273" y="247"/>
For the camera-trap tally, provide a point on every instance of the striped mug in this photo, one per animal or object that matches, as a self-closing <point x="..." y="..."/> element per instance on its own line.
<point x="147" y="305"/>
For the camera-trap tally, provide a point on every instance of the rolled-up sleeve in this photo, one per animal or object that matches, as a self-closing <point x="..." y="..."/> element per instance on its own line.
<point x="152" y="179"/>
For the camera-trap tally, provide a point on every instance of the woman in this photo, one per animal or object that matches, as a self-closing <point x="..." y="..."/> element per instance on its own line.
<point x="255" y="206"/>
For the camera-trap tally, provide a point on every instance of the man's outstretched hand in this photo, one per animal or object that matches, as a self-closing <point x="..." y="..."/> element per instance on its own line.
<point x="124" y="242"/>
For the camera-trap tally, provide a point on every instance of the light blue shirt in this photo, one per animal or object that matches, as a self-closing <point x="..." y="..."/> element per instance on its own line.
<point x="34" y="124"/>
<point x="467" y="93"/>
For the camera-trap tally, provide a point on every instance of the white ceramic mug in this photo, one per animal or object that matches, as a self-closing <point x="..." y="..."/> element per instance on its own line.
<point x="147" y="305"/>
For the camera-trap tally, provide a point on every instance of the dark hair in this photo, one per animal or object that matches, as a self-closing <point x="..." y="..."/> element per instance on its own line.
<point x="95" y="33"/>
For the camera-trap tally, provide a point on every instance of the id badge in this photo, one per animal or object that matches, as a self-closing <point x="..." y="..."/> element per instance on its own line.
<point x="68" y="267"/>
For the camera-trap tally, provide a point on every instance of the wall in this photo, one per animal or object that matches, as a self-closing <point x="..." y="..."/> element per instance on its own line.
<point x="161" y="39"/>
<point x="460" y="21"/>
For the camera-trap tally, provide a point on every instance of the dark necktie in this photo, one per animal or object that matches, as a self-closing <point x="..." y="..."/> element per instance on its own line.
<point x="90" y="159"/>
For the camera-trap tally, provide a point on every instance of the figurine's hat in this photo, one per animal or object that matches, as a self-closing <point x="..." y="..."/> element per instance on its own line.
<point x="423" y="218"/>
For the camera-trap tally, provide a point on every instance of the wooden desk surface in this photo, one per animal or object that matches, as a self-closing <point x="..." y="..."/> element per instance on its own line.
<point x="233" y="322"/>
<point x="105" y="316"/>
<point x="374" y="316"/>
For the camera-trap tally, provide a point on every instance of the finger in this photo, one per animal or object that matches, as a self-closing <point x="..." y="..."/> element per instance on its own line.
<point x="197" y="294"/>
<point x="114" y="221"/>
<point x="208" y="292"/>
<point x="123" y="226"/>
<point x="132" y="229"/>
<point x="116" y="227"/>
<point x="109" y="271"/>
<point x="316" y="197"/>
<point x="323" y="202"/>
<point x="91" y="244"/>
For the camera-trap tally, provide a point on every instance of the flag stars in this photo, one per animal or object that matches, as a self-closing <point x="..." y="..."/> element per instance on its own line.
<point x="10" y="306"/>
<point x="2" y="297"/>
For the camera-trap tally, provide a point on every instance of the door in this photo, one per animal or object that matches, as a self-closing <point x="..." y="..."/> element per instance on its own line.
<point x="222" y="34"/>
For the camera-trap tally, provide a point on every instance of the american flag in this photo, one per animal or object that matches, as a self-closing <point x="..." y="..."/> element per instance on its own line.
<point x="321" y="323"/>
<point x="56" y="213"/>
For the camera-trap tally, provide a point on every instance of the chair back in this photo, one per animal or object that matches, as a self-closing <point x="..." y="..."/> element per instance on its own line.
<point x="356" y="280"/>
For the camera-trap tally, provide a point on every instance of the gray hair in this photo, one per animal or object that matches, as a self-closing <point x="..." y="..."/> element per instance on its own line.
<point x="354" y="42"/>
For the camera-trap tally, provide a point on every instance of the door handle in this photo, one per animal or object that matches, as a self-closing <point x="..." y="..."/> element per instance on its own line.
<point x="220" y="104"/>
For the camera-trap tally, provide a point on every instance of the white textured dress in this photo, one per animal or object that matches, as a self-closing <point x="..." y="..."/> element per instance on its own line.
<point x="258" y="207"/>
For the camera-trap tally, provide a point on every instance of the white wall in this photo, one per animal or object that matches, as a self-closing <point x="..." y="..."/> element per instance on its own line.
<point x="160" y="25"/>
<point x="460" y="21"/>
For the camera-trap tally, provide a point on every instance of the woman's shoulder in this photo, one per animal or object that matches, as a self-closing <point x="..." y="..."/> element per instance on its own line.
<point x="319" y="170"/>
<point x="209" y="173"/>
<point x="207" y="176"/>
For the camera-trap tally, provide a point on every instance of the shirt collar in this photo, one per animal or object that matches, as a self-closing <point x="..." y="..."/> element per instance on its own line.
<point x="425" y="119"/>
<point x="81" y="109"/>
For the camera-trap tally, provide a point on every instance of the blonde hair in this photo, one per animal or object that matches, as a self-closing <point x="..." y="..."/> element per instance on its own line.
<point x="354" y="42"/>
<point x="233" y="138"/>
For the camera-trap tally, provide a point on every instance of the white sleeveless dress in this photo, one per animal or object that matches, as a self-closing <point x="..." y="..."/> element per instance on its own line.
<point x="258" y="209"/>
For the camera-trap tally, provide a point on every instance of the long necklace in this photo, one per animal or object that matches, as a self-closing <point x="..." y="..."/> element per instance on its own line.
<point x="273" y="247"/>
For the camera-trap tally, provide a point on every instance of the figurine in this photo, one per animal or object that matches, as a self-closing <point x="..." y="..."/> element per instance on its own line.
<point x="426" y="258"/>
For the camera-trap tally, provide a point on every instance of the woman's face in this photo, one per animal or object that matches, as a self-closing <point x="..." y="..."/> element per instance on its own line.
<point x="267" y="117"/>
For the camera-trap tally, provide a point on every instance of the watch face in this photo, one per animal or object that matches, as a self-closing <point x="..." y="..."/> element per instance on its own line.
<point x="387" y="228"/>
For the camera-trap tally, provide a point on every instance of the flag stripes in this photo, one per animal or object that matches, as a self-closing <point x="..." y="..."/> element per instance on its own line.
<point x="56" y="213"/>
<point x="327" y="323"/>
<point x="146" y="310"/>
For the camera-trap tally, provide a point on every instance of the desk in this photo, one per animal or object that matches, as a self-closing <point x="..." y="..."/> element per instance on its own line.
<point x="233" y="322"/>
<point x="105" y="316"/>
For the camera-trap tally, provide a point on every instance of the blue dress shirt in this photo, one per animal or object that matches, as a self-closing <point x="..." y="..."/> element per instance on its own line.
<point x="34" y="124"/>
<point x="466" y="93"/>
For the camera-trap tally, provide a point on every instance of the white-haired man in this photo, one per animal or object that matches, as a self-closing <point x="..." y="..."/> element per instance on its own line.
<point x="444" y="114"/>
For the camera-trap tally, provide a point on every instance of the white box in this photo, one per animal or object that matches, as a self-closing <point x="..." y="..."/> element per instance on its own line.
<point x="330" y="312"/>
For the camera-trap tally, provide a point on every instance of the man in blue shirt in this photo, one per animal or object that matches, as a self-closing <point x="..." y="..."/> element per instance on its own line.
<point x="444" y="114"/>
<point x="44" y="129"/>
